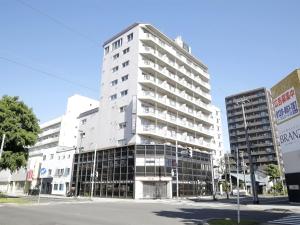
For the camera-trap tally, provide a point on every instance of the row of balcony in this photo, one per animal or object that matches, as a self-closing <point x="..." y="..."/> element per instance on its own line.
<point x="164" y="86"/>
<point x="162" y="57"/>
<point x="176" y="121"/>
<point x="182" y="82"/>
<point x="176" y="106"/>
<point x="250" y="110"/>
<point x="182" y="138"/>
<point x="175" y="53"/>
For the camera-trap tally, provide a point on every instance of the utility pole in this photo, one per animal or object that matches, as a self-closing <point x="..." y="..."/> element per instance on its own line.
<point x="93" y="173"/>
<point x="212" y="177"/>
<point x="81" y="133"/>
<point x="238" y="185"/>
<point x="252" y="174"/>
<point x="229" y="168"/>
<point x="243" y="167"/>
<point x="2" y="145"/>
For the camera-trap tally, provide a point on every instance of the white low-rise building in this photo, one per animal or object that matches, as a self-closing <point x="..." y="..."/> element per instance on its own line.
<point x="51" y="158"/>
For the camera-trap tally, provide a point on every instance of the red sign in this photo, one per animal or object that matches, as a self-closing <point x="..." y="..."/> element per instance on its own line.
<point x="29" y="175"/>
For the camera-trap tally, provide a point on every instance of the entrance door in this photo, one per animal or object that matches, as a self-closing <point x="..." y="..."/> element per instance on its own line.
<point x="154" y="189"/>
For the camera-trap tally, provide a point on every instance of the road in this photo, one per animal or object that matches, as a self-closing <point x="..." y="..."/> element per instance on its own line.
<point x="128" y="212"/>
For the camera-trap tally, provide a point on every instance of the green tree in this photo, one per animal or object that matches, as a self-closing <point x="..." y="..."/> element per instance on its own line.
<point x="21" y="127"/>
<point x="273" y="172"/>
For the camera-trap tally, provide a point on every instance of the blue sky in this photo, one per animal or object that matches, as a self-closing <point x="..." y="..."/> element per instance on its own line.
<point x="245" y="44"/>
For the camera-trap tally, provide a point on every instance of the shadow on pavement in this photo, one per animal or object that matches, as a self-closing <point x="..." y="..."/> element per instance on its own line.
<point x="196" y="216"/>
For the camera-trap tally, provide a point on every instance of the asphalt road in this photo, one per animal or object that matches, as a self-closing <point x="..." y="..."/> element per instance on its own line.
<point x="123" y="212"/>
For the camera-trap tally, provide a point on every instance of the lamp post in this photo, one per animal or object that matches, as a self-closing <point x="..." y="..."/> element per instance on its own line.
<point x="242" y="102"/>
<point x="238" y="185"/>
<point x="81" y="133"/>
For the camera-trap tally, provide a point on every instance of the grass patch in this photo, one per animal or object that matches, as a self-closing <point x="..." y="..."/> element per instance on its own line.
<point x="231" y="222"/>
<point x="13" y="200"/>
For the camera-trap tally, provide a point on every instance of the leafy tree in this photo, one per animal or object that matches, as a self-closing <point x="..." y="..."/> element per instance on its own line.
<point x="21" y="127"/>
<point x="274" y="174"/>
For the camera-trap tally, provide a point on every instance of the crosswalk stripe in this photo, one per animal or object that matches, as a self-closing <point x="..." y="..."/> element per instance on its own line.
<point x="293" y="219"/>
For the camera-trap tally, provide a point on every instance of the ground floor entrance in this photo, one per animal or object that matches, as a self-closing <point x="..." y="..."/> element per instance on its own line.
<point x="154" y="189"/>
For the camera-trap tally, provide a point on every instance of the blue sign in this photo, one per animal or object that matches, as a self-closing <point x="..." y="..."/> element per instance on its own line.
<point x="43" y="171"/>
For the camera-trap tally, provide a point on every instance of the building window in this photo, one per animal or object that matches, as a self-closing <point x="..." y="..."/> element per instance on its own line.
<point x="51" y="156"/>
<point x="61" y="187"/>
<point x="49" y="172"/>
<point x="83" y="121"/>
<point x="44" y="157"/>
<point x="117" y="44"/>
<point x="124" y="64"/>
<point x="114" y="82"/>
<point x="116" y="56"/>
<point x="129" y="37"/>
<point x="67" y="171"/>
<point x="122" y="125"/>
<point x="123" y="108"/>
<point x="123" y="93"/>
<point x="106" y="50"/>
<point x="115" y="69"/>
<point x="124" y="78"/>
<point x="68" y="156"/>
<point x="113" y="97"/>
<point x="122" y="142"/>
<point x="125" y="51"/>
<point x="55" y="186"/>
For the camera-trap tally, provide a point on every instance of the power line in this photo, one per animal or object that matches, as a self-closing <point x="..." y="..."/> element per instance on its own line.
<point x="52" y="75"/>
<point x="69" y="28"/>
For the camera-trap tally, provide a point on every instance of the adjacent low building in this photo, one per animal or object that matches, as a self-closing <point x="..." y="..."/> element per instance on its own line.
<point x="50" y="160"/>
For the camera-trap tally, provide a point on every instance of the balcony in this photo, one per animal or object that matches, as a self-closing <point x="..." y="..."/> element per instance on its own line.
<point x="175" y="78"/>
<point x="165" y="86"/>
<point x="163" y="101"/>
<point x="174" y="53"/>
<point x="183" y="123"/>
<point x="169" y="135"/>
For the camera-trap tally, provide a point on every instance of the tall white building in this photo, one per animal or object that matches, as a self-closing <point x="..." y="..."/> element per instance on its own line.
<point x="155" y="101"/>
<point x="51" y="158"/>
<point x="153" y="91"/>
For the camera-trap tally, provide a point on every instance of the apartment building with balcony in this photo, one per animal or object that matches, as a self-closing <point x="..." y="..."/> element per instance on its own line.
<point x="154" y="92"/>
<point x="259" y="115"/>
<point x="51" y="158"/>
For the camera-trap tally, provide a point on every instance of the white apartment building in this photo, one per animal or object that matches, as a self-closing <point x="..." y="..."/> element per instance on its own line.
<point x="154" y="91"/>
<point x="51" y="158"/>
<point x="154" y="95"/>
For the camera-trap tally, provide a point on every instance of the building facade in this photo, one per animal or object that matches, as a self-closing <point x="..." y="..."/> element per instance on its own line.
<point x="154" y="93"/>
<point x="259" y="115"/>
<point x="286" y="100"/>
<point x="51" y="158"/>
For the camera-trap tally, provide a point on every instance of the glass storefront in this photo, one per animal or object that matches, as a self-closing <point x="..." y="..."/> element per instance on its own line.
<point x="117" y="168"/>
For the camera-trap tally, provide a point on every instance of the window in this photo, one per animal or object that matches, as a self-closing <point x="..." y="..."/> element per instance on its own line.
<point x="124" y="64"/>
<point x="123" y="108"/>
<point x="55" y="186"/>
<point x="67" y="171"/>
<point x="115" y="69"/>
<point x="116" y="56"/>
<point x="125" y="51"/>
<point x="44" y="157"/>
<point x="113" y="97"/>
<point x="123" y="93"/>
<point x="122" y="125"/>
<point x="49" y="172"/>
<point x="68" y="156"/>
<point x="117" y="44"/>
<point x="106" y="50"/>
<point x="124" y="78"/>
<point x="61" y="187"/>
<point x="122" y="142"/>
<point x="83" y="121"/>
<point x="114" y="82"/>
<point x="51" y="156"/>
<point x="129" y="37"/>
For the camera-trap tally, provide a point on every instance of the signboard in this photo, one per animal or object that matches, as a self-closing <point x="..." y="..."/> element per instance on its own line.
<point x="29" y="175"/>
<point x="286" y="106"/>
<point x="158" y="161"/>
<point x="43" y="171"/>
<point x="289" y="135"/>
